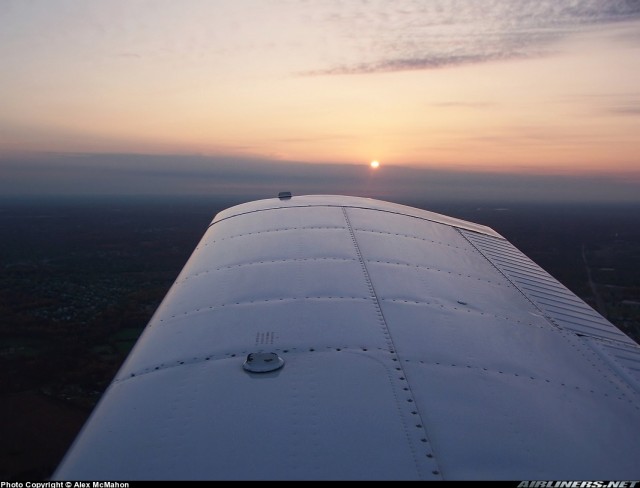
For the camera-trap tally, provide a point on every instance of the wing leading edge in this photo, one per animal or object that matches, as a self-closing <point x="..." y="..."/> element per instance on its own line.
<point x="415" y="346"/>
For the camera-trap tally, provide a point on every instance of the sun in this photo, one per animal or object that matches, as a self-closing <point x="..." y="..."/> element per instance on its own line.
<point x="375" y="164"/>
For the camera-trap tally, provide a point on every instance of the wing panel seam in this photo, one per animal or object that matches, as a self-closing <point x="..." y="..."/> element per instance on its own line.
<point x="469" y="226"/>
<point x="385" y="330"/>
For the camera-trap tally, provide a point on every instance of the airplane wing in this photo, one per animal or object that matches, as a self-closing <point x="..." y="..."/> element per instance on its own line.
<point x="334" y="337"/>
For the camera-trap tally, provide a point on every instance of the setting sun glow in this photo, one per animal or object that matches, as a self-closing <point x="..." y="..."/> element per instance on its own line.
<point x="186" y="88"/>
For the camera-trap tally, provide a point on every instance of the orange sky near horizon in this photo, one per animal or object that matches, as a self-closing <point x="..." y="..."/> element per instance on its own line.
<point x="524" y="88"/>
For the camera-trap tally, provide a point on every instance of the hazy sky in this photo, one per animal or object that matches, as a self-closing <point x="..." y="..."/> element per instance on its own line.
<point x="502" y="86"/>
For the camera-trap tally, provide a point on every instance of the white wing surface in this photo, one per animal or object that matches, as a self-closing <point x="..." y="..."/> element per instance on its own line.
<point x="414" y="346"/>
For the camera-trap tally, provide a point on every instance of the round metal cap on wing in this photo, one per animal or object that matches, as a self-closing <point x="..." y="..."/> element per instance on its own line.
<point x="263" y="362"/>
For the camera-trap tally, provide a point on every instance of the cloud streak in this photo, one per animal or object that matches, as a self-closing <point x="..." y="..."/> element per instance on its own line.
<point x="413" y="35"/>
<point x="410" y="64"/>
<point x="632" y="109"/>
